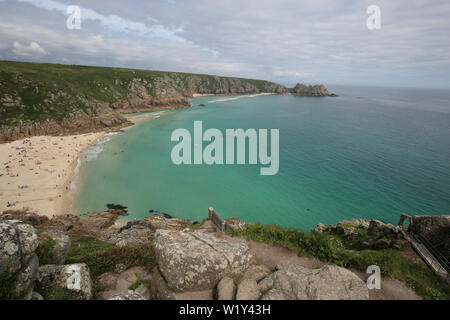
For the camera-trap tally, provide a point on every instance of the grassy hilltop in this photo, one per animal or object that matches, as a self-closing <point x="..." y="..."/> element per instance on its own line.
<point x="35" y="92"/>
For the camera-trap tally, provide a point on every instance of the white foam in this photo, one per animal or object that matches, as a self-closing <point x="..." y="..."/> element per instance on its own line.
<point x="240" y="97"/>
<point x="92" y="152"/>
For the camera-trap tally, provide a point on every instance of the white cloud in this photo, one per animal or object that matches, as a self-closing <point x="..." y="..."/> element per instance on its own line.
<point x="33" y="50"/>
<point x="114" y="22"/>
<point x="324" y="41"/>
<point x="292" y="74"/>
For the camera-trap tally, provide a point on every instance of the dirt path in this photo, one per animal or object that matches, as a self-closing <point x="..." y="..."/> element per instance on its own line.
<point x="277" y="256"/>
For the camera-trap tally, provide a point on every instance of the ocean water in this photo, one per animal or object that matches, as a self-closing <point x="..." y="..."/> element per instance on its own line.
<point x="369" y="153"/>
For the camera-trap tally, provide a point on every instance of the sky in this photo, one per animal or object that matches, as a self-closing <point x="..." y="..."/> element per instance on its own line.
<point x="285" y="41"/>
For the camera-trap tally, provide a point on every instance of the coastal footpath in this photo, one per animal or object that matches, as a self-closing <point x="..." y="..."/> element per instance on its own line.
<point x="68" y="257"/>
<point x="51" y="99"/>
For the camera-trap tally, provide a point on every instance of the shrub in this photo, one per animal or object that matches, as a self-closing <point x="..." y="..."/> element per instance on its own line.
<point x="102" y="257"/>
<point x="8" y="282"/>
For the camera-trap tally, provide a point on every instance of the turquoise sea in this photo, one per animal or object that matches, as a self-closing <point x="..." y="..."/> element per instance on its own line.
<point x="369" y="153"/>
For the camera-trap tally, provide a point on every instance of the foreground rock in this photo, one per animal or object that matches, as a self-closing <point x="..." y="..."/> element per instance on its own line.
<point x="226" y="289"/>
<point x="58" y="245"/>
<point x="327" y="283"/>
<point x="75" y="278"/>
<point x="248" y="290"/>
<point x="114" y="283"/>
<point x="18" y="261"/>
<point x="198" y="261"/>
<point x="128" y="295"/>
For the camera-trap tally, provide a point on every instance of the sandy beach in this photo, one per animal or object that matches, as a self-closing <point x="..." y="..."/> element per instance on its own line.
<point x="139" y="117"/>
<point x="36" y="173"/>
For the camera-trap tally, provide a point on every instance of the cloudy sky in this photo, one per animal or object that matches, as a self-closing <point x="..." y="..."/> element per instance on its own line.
<point x="286" y="41"/>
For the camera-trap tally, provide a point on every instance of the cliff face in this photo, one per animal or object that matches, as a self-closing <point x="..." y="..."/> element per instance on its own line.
<point x="40" y="99"/>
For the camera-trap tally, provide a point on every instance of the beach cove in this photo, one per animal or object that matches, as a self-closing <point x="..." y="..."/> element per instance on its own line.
<point x="361" y="155"/>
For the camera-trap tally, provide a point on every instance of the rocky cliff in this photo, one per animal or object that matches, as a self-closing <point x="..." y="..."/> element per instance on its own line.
<point x="40" y="99"/>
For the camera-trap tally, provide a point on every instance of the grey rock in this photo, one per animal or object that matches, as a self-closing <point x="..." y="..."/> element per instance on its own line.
<point x="226" y="289"/>
<point x="349" y="228"/>
<point x="75" y="278"/>
<point x="379" y="227"/>
<point x="134" y="233"/>
<point x="143" y="291"/>
<point x="256" y="272"/>
<point x="120" y="267"/>
<point x="128" y="295"/>
<point x="198" y="261"/>
<point x="330" y="282"/>
<point x="10" y="253"/>
<point x="113" y="283"/>
<point x="18" y="242"/>
<point x="27" y="276"/>
<point x="273" y="294"/>
<point x="234" y="224"/>
<point x="248" y="290"/>
<point x="61" y="247"/>
<point x="319" y="228"/>
<point x="159" y="290"/>
<point x="108" y="280"/>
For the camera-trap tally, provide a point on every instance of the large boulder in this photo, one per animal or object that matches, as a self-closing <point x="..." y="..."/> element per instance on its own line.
<point x="55" y="246"/>
<point x="330" y="282"/>
<point x="18" y="261"/>
<point x="198" y="261"/>
<point x="74" y="278"/>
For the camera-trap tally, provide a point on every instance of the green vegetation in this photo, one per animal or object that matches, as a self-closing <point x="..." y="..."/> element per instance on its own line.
<point x="37" y="92"/>
<point x="102" y="256"/>
<point x="329" y="247"/>
<point x="45" y="251"/>
<point x="57" y="293"/>
<point x="8" y="282"/>
<point x="136" y="285"/>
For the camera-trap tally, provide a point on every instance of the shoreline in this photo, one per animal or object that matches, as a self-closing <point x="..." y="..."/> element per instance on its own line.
<point x="71" y="193"/>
